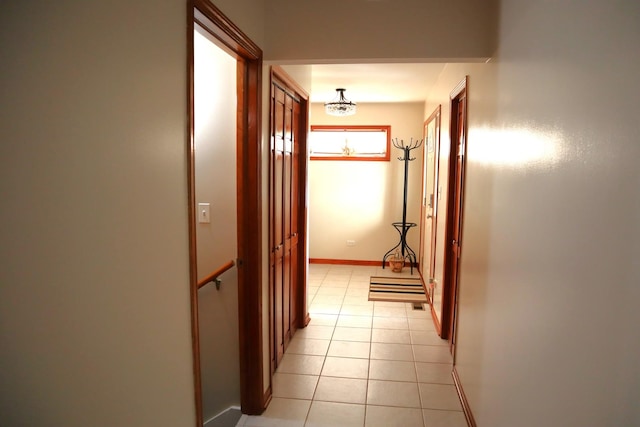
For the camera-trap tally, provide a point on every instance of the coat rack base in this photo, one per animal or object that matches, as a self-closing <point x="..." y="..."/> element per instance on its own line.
<point x="405" y="251"/>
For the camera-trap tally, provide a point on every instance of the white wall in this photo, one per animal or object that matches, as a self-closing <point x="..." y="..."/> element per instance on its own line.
<point x="352" y="200"/>
<point x="215" y="183"/>
<point x="549" y="274"/>
<point x="94" y="284"/>
<point x="329" y="30"/>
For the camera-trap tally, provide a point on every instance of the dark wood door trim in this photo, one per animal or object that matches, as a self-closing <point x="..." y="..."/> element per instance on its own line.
<point x="249" y="157"/>
<point x="454" y="214"/>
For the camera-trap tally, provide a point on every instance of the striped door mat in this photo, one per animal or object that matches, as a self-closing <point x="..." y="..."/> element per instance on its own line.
<point x="396" y="289"/>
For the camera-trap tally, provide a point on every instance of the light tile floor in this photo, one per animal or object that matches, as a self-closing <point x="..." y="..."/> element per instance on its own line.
<point x="361" y="363"/>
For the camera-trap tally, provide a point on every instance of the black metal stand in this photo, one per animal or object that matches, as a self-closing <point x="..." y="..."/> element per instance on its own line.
<point x="403" y="227"/>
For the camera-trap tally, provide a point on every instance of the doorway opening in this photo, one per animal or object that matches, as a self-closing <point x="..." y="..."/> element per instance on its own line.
<point x="245" y="151"/>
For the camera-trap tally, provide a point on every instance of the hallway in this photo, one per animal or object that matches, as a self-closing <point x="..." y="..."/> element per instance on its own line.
<point x="361" y="363"/>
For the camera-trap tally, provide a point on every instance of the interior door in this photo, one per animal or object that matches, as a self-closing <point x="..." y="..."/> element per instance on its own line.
<point x="454" y="225"/>
<point x="277" y="217"/>
<point x="285" y="216"/>
<point x="430" y="199"/>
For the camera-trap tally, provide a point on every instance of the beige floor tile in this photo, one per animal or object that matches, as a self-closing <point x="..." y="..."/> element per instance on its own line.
<point x="426" y="338"/>
<point x="393" y="393"/>
<point x="359" y="284"/>
<point x="438" y="418"/>
<point x="357" y="300"/>
<point x="339" y="274"/>
<point x="385" y="416"/>
<point x="324" y="308"/>
<point x="308" y="346"/>
<point x="439" y="396"/>
<point x="392" y="370"/>
<point x="363" y="272"/>
<point x="320" y="319"/>
<point x="330" y="290"/>
<point x="391" y="351"/>
<point x="294" y="386"/>
<point x="435" y="373"/>
<point x="420" y="324"/>
<point x="356" y="310"/>
<point x="383" y="311"/>
<point x="425" y="313"/>
<point x="390" y="322"/>
<point x="337" y="277"/>
<point x="390" y="336"/>
<point x="336" y="282"/>
<point x="352" y="334"/>
<point x="345" y="390"/>
<point x="349" y="349"/>
<point x="301" y="364"/>
<point x="327" y="299"/>
<point x="281" y="413"/>
<point x="332" y="414"/>
<point x="315" y="332"/>
<point x="346" y="367"/>
<point x="356" y="292"/>
<point x="432" y="353"/>
<point x="354" y="321"/>
<point x="389" y="304"/>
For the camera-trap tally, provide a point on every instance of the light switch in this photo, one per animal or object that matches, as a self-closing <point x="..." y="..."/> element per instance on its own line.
<point x="204" y="213"/>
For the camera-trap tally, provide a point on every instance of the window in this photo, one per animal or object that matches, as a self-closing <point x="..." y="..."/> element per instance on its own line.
<point x="365" y="143"/>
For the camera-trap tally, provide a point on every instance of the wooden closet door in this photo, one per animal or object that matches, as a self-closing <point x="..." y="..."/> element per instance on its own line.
<point x="287" y="199"/>
<point x="295" y="218"/>
<point x="277" y="217"/>
<point x="284" y="213"/>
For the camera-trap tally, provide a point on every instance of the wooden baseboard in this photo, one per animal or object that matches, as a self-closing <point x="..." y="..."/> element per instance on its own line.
<point x="343" y="261"/>
<point x="463" y="399"/>
<point x="436" y="322"/>
<point x="307" y="319"/>
<point x="351" y="262"/>
<point x="266" y="399"/>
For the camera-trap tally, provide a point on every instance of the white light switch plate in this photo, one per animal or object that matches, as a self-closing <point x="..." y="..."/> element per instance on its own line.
<point x="204" y="213"/>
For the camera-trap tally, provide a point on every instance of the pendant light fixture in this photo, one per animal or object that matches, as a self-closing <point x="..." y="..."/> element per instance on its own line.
<point x="340" y="106"/>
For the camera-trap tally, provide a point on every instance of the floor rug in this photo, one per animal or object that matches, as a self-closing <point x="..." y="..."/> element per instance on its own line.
<point x="396" y="289"/>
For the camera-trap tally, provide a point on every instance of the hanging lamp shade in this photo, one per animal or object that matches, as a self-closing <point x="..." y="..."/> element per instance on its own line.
<point x="340" y="106"/>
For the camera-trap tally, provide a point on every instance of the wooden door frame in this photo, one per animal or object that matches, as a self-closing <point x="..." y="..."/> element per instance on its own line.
<point x="283" y="79"/>
<point x="436" y="116"/>
<point x="249" y="204"/>
<point x="450" y="290"/>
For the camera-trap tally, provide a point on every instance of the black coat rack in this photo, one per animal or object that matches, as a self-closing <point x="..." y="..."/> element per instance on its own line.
<point x="403" y="227"/>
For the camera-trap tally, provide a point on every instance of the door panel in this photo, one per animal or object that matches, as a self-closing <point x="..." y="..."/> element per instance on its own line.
<point x="295" y="218"/>
<point x="285" y="219"/>
<point x="278" y="249"/>
<point x="430" y="205"/>
<point x="287" y="199"/>
<point x="455" y="199"/>
<point x="457" y="219"/>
